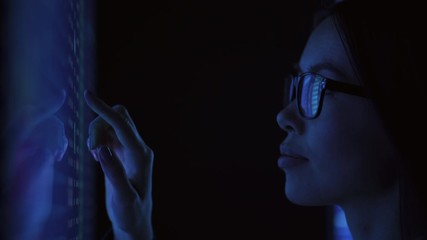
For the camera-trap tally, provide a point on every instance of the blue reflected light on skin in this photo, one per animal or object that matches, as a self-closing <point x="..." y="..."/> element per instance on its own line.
<point x="340" y="227"/>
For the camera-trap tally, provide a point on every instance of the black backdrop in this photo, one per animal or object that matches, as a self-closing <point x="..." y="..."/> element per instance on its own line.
<point x="203" y="82"/>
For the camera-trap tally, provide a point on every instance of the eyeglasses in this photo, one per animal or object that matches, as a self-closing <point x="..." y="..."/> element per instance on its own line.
<point x="309" y="89"/>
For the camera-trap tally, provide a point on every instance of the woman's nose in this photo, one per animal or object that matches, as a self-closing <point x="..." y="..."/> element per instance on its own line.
<point x="289" y="119"/>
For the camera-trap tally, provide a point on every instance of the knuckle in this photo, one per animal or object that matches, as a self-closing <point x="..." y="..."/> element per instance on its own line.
<point x="149" y="153"/>
<point x="123" y="114"/>
<point x="120" y="108"/>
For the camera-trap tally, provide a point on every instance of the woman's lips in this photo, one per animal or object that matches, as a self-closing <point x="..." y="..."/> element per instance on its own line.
<point x="289" y="158"/>
<point x="287" y="161"/>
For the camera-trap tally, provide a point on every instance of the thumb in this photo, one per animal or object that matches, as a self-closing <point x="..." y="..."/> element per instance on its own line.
<point x="114" y="171"/>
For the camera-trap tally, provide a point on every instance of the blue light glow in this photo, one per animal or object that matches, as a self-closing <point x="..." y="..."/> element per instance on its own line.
<point x="341" y="231"/>
<point x="49" y="179"/>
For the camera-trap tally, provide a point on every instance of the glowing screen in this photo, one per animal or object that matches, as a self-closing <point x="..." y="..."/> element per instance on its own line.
<point x="48" y="183"/>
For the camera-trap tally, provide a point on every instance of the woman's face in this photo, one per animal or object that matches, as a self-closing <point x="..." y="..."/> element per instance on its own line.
<point x="346" y="153"/>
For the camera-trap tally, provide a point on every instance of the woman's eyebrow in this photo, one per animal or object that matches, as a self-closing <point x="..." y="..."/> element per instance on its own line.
<point x="325" y="65"/>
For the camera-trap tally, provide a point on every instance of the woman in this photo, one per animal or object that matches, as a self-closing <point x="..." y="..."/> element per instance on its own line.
<point x="353" y="109"/>
<point x="340" y="146"/>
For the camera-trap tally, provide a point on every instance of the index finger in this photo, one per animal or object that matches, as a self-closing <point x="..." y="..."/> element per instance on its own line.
<point x="121" y="126"/>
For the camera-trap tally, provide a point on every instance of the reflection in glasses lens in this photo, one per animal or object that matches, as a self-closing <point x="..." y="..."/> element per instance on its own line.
<point x="309" y="89"/>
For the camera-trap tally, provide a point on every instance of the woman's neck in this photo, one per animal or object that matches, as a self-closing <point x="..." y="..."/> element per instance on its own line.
<point x="375" y="217"/>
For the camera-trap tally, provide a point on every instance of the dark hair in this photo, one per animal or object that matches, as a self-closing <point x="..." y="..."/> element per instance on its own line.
<point x="387" y="46"/>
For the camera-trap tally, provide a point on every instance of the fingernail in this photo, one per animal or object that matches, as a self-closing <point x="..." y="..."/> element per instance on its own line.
<point x="105" y="154"/>
<point x="94" y="153"/>
<point x="88" y="144"/>
<point x="58" y="155"/>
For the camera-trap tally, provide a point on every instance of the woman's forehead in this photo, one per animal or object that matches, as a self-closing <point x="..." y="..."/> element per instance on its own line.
<point x="325" y="53"/>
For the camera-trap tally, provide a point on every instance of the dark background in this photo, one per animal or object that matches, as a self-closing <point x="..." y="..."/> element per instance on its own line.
<point x="203" y="80"/>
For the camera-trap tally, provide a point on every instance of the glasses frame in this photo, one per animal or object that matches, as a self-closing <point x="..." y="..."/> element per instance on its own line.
<point x="326" y="84"/>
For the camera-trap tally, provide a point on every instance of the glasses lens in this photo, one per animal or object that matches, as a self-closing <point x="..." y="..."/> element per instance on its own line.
<point x="309" y="94"/>
<point x="290" y="85"/>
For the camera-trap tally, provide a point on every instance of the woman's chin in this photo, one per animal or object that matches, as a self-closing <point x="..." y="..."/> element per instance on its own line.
<point x="303" y="199"/>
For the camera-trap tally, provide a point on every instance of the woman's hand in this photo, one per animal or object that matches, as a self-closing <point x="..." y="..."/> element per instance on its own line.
<point x="127" y="163"/>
